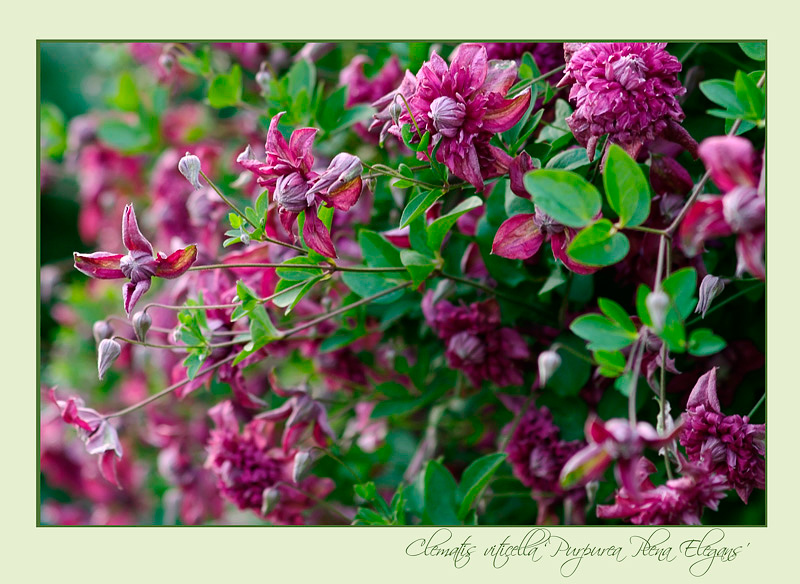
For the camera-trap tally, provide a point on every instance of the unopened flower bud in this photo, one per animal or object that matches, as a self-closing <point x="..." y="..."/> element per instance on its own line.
<point x="141" y="322"/>
<point x="244" y="238"/>
<point x="189" y="166"/>
<point x="102" y="330"/>
<point x="271" y="497"/>
<point x="290" y="192"/>
<point x="549" y="362"/>
<point x="395" y="110"/>
<point x="263" y="77"/>
<point x="710" y="288"/>
<point x="744" y="209"/>
<point x="447" y="115"/>
<point x="107" y="353"/>
<point x="302" y="465"/>
<point x="657" y="303"/>
<point x="167" y="62"/>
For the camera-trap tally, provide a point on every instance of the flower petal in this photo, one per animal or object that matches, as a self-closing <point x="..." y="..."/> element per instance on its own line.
<point x="316" y="235"/>
<point x="132" y="292"/>
<point x="500" y="76"/>
<point x="470" y="60"/>
<point x="501" y="114"/>
<point x="585" y="465"/>
<point x="750" y="254"/>
<point x="704" y="393"/>
<point x="705" y="220"/>
<point x="521" y="164"/>
<point x="100" y="264"/>
<point x="730" y="161"/>
<point x="132" y="237"/>
<point x="345" y="196"/>
<point x="559" y="242"/>
<point x="300" y="145"/>
<point x="176" y="263"/>
<point x="276" y="143"/>
<point x="517" y="238"/>
<point x="108" y="467"/>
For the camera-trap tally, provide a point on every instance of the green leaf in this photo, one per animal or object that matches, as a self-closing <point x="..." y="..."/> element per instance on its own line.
<point x="440" y="495"/>
<point x="756" y="51"/>
<point x="641" y="305"/>
<point x="193" y="362"/>
<point x="366" y="491"/>
<point x="395" y="406"/>
<point x="569" y="159"/>
<point x="298" y="274"/>
<point x="127" y="98"/>
<point x="627" y="189"/>
<point x="332" y="109"/>
<point x="439" y="228"/>
<point x="721" y="92"/>
<point x="599" y="245"/>
<point x="302" y="75"/>
<point x="564" y="195"/>
<point x="474" y="480"/>
<point x="226" y="89"/>
<point x="703" y="342"/>
<point x="616" y="313"/>
<point x="601" y="332"/>
<point x="680" y="286"/>
<point x="418" y="265"/>
<point x="377" y="251"/>
<point x="123" y="137"/>
<point x="368" y="283"/>
<point x="748" y="94"/>
<point x="558" y="128"/>
<point x="418" y="205"/>
<point x="612" y="363"/>
<point x="290" y="299"/>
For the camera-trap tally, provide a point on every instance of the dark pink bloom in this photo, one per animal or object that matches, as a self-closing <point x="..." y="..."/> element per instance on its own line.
<point x="521" y="236"/>
<point x="287" y="174"/>
<point x="249" y="462"/>
<point x="462" y="106"/>
<point x="139" y="265"/>
<point x="614" y="440"/>
<point x="476" y="343"/>
<point x="360" y="89"/>
<point x="248" y="54"/>
<point x="680" y="501"/>
<point x="97" y="434"/>
<point x="626" y="90"/>
<point x="548" y="56"/>
<point x="740" y="211"/>
<point x="729" y="445"/>
<point x="537" y="454"/>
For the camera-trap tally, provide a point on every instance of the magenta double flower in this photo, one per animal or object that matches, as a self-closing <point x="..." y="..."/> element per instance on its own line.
<point x="139" y="265"/>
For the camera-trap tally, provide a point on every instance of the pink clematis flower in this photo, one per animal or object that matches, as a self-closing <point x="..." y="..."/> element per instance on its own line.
<point x="97" y="434"/>
<point x="729" y="445"/>
<point x="521" y="236"/>
<point x="626" y="90"/>
<point x="614" y="440"/>
<point x="287" y="174"/>
<point x="139" y="265"/>
<point x="462" y="106"/>
<point x="680" y="501"/>
<point x="739" y="211"/>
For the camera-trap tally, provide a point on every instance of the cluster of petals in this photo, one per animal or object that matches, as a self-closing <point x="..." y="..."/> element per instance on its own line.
<point x="462" y="106"/>
<point x="680" y="501"/>
<point x="288" y="175"/>
<point x="615" y="440"/>
<point x="548" y="56"/>
<point x="626" y="90"/>
<point x="139" y="265"/>
<point x="729" y="445"/>
<point x="476" y="343"/>
<point x="250" y="462"/>
<point x="97" y="434"/>
<point x="740" y="211"/>
<point x="537" y="454"/>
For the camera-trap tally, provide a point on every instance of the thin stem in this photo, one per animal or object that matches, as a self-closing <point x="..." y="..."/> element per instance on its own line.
<point x="662" y="402"/>
<point x="646" y="229"/>
<point x="689" y="52"/>
<point x="517" y="420"/>
<point x="155" y="346"/>
<point x="167" y="391"/>
<point x="662" y="241"/>
<point x="488" y="290"/>
<point x="637" y="364"/>
<point x="332" y="456"/>
<point x="322" y="502"/>
<point x="326" y="267"/>
<point x="557" y="346"/>
<point x="537" y="79"/>
<point x="755" y="407"/>
<point x="724" y="302"/>
<point x="344" y="309"/>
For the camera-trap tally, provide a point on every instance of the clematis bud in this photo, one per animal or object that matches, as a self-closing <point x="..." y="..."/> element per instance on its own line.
<point x="167" y="62"/>
<point x="271" y="497"/>
<point x="141" y="322"/>
<point x="189" y="166"/>
<point x="302" y="465"/>
<point x="657" y="303"/>
<point x="263" y="77"/>
<point x="447" y="115"/>
<point x="549" y="362"/>
<point x="101" y="330"/>
<point x="107" y="353"/>
<point x="710" y="288"/>
<point x="290" y="192"/>
<point x="744" y="209"/>
<point x="245" y="239"/>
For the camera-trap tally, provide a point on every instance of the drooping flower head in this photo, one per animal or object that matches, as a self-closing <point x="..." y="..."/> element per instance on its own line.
<point x="626" y="90"/>
<point x="462" y="105"/>
<point x="476" y="343"/>
<point x="729" y="445"/>
<point x="680" y="501"/>
<point x="139" y="265"/>
<point x="741" y="210"/>
<point x="250" y="462"/>
<point x="288" y="176"/>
